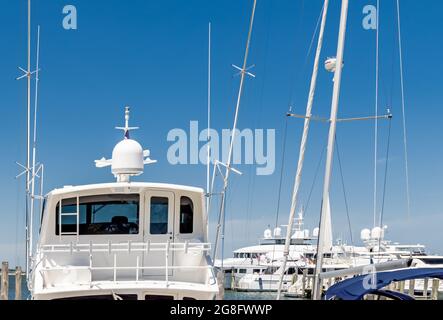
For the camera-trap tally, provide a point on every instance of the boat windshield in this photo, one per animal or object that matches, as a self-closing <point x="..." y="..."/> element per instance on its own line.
<point x="100" y="214"/>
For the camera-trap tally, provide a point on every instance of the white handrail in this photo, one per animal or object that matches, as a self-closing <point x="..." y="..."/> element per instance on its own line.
<point x="127" y="247"/>
<point x="123" y="247"/>
<point x="127" y="268"/>
<point x="167" y="262"/>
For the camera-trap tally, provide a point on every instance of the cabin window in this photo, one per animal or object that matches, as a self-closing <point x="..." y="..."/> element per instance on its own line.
<point x="271" y="270"/>
<point x="100" y="214"/>
<point x="159" y="215"/>
<point x="432" y="261"/>
<point x="242" y="271"/>
<point x="186" y="215"/>
<point x="291" y="270"/>
<point x="100" y="297"/>
<point x="158" y="297"/>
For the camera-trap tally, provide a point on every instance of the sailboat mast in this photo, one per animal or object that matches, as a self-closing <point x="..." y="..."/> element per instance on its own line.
<point x="243" y="74"/>
<point x="304" y="139"/>
<point x="325" y="219"/>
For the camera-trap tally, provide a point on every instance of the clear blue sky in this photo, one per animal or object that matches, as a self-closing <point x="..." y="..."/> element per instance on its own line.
<point x="152" y="55"/>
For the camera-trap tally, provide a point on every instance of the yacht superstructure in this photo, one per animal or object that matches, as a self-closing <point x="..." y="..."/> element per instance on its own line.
<point x="124" y="240"/>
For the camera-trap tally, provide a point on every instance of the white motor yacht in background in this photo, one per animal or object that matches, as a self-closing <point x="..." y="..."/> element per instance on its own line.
<point x="124" y="240"/>
<point x="256" y="259"/>
<point x="259" y="267"/>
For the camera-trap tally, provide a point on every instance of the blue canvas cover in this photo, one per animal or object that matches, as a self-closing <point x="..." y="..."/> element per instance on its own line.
<point x="353" y="289"/>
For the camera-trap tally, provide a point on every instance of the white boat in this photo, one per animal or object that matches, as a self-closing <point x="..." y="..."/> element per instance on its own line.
<point x="124" y="240"/>
<point x="259" y="268"/>
<point x="256" y="259"/>
<point x="292" y="277"/>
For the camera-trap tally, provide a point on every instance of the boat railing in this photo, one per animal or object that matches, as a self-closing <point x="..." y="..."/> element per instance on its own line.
<point x="115" y="249"/>
<point x="127" y="246"/>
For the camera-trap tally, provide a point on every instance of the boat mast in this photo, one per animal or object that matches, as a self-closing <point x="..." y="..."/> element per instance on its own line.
<point x="325" y="218"/>
<point x="243" y="73"/>
<point x="304" y="139"/>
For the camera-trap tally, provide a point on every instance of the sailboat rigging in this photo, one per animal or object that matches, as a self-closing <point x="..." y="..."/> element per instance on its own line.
<point x="243" y="73"/>
<point x="325" y="232"/>
<point x="304" y="139"/>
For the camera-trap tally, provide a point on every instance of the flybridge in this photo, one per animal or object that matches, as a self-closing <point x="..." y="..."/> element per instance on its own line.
<point x="128" y="157"/>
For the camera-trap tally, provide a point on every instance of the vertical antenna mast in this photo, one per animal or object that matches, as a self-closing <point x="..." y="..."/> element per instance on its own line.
<point x="28" y="171"/>
<point x="243" y="73"/>
<point x="28" y="138"/>
<point x="325" y="219"/>
<point x="28" y="143"/>
<point x="208" y="164"/>
<point x="301" y="159"/>
<point x="377" y="77"/>
<point x="34" y="170"/>
<point x="34" y="147"/>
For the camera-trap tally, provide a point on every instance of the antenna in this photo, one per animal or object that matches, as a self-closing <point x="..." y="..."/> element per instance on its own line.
<point x="34" y="170"/>
<point x="27" y="170"/>
<point x="127" y="128"/>
<point x="128" y="157"/>
<point x="34" y="146"/>
<point x="208" y="160"/>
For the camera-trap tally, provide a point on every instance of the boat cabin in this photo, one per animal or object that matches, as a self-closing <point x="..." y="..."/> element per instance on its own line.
<point x="124" y="239"/>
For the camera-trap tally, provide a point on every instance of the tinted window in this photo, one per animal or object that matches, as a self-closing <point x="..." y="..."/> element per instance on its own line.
<point x="157" y="297"/>
<point x="103" y="297"/>
<point x="271" y="270"/>
<point x="159" y="215"/>
<point x="186" y="215"/>
<point x="290" y="270"/>
<point x="101" y="214"/>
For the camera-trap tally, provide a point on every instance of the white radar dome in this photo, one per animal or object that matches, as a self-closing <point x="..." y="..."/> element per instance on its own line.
<point x="377" y="233"/>
<point x="127" y="158"/>
<point x="331" y="64"/>
<point x="267" y="234"/>
<point x="365" y="234"/>
<point x="277" y="232"/>
<point x="298" y="234"/>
